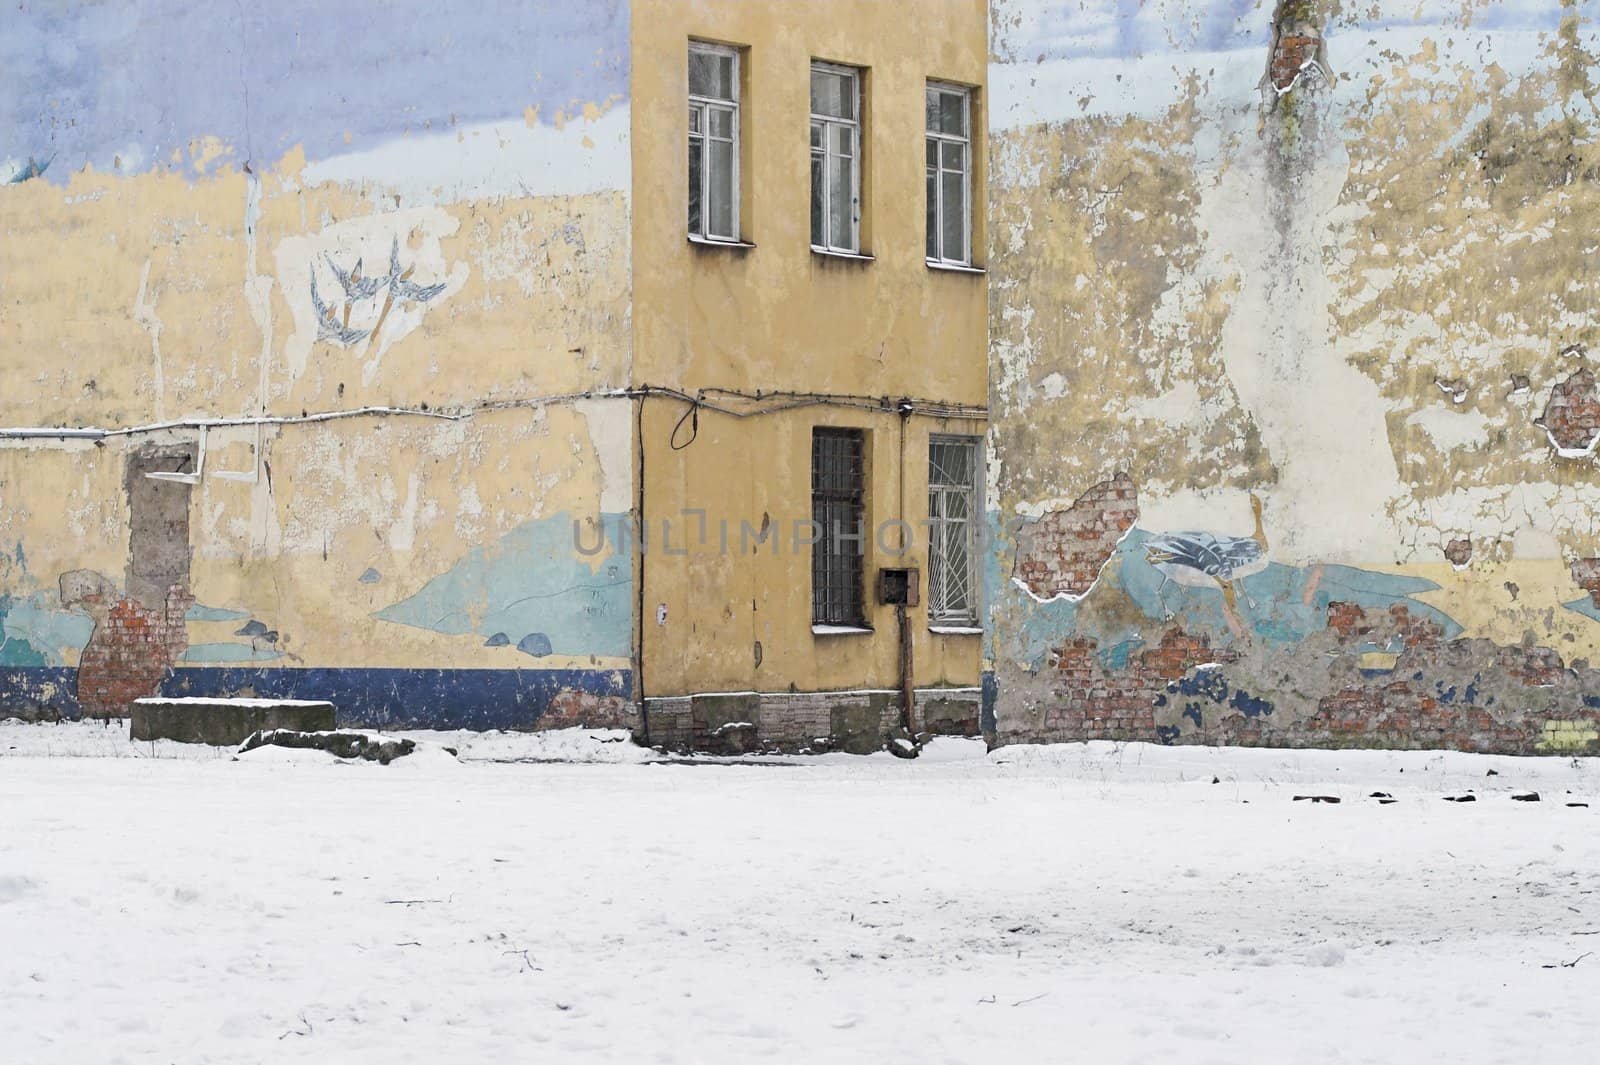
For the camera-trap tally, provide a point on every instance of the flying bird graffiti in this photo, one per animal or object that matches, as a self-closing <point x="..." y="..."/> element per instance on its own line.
<point x="359" y="288"/>
<point x="329" y="327"/>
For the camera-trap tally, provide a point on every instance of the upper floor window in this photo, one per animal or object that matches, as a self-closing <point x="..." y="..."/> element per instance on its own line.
<point x="835" y="158"/>
<point x="953" y="463"/>
<point x="713" y="142"/>
<point x="949" y="145"/>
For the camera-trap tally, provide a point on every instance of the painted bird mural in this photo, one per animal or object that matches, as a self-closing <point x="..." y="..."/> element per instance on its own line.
<point x="401" y="288"/>
<point x="329" y="327"/>
<point x="356" y="287"/>
<point x="31" y="169"/>
<point x="1206" y="560"/>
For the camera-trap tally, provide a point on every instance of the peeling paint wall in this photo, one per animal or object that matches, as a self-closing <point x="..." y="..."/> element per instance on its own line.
<point x="348" y="271"/>
<point x="1319" y="280"/>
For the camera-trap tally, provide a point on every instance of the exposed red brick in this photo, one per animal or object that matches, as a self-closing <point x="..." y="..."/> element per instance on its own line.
<point x="129" y="652"/>
<point x="1572" y="416"/>
<point x="1586" y="574"/>
<point x="1291" y="56"/>
<point x="1063" y="553"/>
<point x="1458" y="552"/>
<point x="571" y="708"/>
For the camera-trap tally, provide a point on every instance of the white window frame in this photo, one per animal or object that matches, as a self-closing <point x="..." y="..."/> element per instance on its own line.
<point x="939" y="531"/>
<point x="703" y="105"/>
<point x="854" y="124"/>
<point x="940" y="139"/>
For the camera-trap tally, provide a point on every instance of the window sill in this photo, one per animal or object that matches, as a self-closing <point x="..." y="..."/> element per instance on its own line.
<point x="834" y="253"/>
<point x="840" y="630"/>
<point x="706" y="242"/>
<point x="955" y="630"/>
<point x="954" y="268"/>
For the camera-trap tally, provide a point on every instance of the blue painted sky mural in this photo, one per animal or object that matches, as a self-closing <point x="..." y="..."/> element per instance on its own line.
<point x="529" y="591"/>
<point x="1280" y="605"/>
<point x="132" y="82"/>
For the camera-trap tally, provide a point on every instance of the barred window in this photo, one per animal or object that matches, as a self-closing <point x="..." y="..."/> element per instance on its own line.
<point x="838" y="507"/>
<point x="952" y="544"/>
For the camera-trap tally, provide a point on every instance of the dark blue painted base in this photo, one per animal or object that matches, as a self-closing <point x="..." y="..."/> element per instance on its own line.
<point x="990" y="696"/>
<point x="367" y="698"/>
<point x="39" y="692"/>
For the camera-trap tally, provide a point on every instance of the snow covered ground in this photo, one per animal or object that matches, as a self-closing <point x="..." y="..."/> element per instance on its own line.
<point x="1093" y="903"/>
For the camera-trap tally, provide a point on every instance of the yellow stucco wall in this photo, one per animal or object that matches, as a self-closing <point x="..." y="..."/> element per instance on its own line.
<point x="179" y="288"/>
<point x="778" y="317"/>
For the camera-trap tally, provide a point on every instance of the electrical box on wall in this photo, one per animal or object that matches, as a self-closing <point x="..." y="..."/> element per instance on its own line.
<point x="899" y="587"/>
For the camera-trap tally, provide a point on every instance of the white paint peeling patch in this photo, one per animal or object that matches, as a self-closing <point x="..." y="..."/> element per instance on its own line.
<point x="371" y="240"/>
<point x="1451" y="429"/>
<point x="257" y="291"/>
<point x="489" y="160"/>
<point x="144" y="312"/>
<point x="403" y="533"/>
<point x="611" y="436"/>
<point x="1179" y="405"/>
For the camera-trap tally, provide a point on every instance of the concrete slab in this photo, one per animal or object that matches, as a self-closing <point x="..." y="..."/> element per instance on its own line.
<point x="224" y="722"/>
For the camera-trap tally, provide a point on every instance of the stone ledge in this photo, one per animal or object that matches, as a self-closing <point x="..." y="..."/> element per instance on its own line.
<point x="224" y="722"/>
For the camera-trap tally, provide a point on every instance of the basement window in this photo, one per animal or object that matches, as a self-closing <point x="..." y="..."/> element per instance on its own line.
<point x="838" y="506"/>
<point x="835" y="158"/>
<point x="949" y="168"/>
<point x="952" y="536"/>
<point x="713" y="143"/>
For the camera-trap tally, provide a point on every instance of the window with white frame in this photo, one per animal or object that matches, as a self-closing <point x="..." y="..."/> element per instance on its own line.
<point x="713" y="142"/>
<point x="949" y="156"/>
<point x="952" y="532"/>
<point x="835" y="158"/>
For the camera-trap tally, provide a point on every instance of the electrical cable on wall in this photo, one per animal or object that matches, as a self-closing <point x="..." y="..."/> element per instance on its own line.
<point x="767" y="403"/>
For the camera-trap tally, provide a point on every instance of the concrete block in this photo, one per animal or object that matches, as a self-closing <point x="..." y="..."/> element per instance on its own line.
<point x="224" y="722"/>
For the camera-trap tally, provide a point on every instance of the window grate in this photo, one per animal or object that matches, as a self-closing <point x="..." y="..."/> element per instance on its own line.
<point x="952" y="546"/>
<point x="838" y="493"/>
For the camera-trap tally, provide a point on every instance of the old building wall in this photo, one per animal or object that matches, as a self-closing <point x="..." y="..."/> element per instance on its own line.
<point x="1293" y="415"/>
<point x="356" y="290"/>
<point x="822" y="341"/>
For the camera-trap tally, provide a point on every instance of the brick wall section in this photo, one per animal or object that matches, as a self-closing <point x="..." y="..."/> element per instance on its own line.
<point x="1100" y="704"/>
<point x="1063" y="552"/>
<point x="1586" y="574"/>
<point x="1467" y="695"/>
<point x="129" y="653"/>
<point x="1572" y="416"/>
<point x="1290" y="56"/>
<point x="571" y="708"/>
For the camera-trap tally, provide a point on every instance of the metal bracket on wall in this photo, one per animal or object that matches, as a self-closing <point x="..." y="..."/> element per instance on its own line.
<point x="250" y="476"/>
<point x="185" y="478"/>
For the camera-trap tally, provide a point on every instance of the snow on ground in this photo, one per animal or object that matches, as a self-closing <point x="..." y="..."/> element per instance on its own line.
<point x="1097" y="903"/>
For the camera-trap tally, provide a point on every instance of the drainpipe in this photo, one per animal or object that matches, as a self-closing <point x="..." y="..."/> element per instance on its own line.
<point x="902" y="614"/>
<point x="638" y="606"/>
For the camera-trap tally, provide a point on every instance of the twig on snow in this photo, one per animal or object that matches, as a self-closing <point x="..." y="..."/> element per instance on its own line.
<point x="1573" y="964"/>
